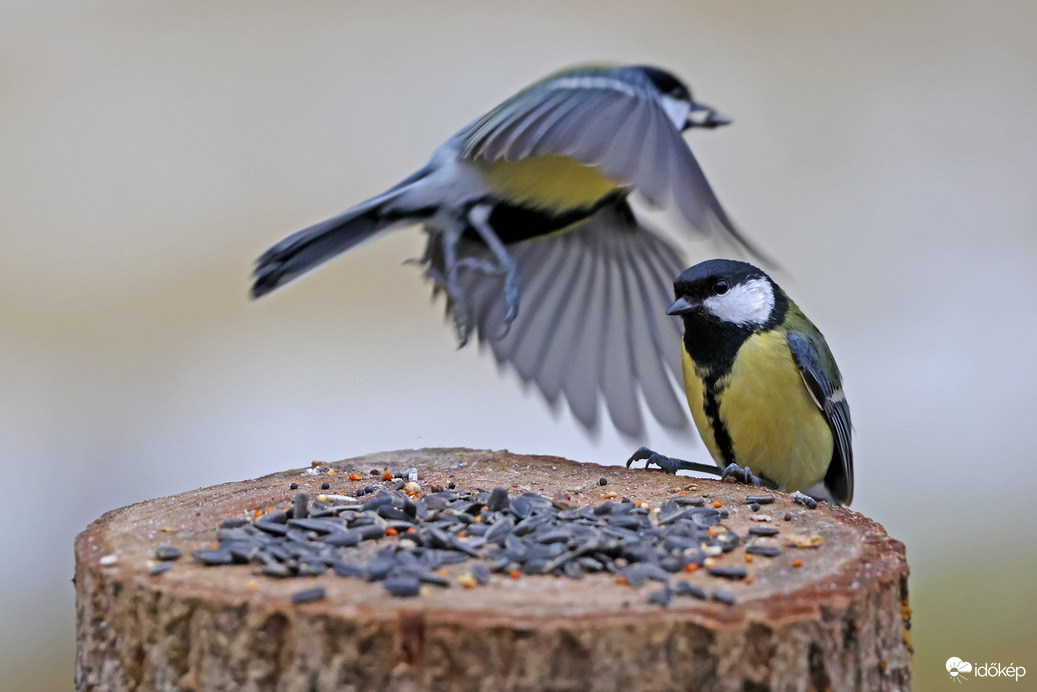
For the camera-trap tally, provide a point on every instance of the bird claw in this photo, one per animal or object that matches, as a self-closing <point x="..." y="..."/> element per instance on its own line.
<point x="512" y="283"/>
<point x="650" y="457"/>
<point x="740" y="474"/>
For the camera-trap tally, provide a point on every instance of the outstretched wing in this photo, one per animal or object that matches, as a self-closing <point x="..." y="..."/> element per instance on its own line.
<point x="592" y="321"/>
<point x="808" y="352"/>
<point x="616" y="125"/>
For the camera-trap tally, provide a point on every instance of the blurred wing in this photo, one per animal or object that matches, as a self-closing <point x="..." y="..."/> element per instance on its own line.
<point x="592" y="323"/>
<point x="697" y="202"/>
<point x="615" y="125"/>
<point x="807" y="353"/>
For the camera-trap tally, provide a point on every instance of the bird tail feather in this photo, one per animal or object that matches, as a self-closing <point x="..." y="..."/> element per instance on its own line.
<point x="298" y="253"/>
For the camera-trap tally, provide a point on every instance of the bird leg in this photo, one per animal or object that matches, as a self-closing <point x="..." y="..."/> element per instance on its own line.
<point x="456" y="303"/>
<point x="670" y="464"/>
<point x="479" y="218"/>
<point x="673" y="465"/>
<point x="441" y="263"/>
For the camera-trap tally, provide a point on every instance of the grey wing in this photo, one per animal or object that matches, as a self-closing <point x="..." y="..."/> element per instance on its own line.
<point x="808" y="354"/>
<point x="592" y="323"/>
<point x="613" y="125"/>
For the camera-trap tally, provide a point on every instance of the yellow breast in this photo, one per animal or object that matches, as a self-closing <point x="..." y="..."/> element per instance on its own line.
<point x="552" y="183"/>
<point x="776" y="429"/>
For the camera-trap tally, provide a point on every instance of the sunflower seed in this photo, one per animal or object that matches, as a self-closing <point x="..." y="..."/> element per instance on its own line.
<point x="402" y="587"/>
<point x="167" y="552"/>
<point x="213" y="557"/>
<point x="308" y="595"/>
<point x="683" y="588"/>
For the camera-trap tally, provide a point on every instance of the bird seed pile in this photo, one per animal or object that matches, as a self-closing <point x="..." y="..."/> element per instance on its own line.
<point x="512" y="536"/>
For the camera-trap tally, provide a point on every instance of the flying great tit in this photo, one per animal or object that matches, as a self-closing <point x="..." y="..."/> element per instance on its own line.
<point x="530" y="200"/>
<point x="762" y="385"/>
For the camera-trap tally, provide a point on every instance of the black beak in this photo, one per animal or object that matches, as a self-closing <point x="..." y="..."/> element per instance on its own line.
<point x="702" y="115"/>
<point x="680" y="307"/>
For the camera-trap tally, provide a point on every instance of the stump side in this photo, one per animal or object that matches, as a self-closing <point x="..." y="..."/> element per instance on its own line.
<point x="836" y="622"/>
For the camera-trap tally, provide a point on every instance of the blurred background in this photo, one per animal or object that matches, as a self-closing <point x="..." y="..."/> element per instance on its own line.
<point x="884" y="151"/>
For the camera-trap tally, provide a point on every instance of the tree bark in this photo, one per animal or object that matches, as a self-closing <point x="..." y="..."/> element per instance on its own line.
<point x="838" y="622"/>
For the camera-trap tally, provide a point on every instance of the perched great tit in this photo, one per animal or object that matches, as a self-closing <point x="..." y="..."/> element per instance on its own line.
<point x="530" y="200"/>
<point x="763" y="388"/>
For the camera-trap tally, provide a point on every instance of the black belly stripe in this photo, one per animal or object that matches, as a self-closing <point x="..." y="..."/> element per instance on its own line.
<point x="711" y="407"/>
<point x="513" y="223"/>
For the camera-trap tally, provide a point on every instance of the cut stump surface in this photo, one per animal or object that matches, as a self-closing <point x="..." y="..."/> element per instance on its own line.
<point x="837" y="620"/>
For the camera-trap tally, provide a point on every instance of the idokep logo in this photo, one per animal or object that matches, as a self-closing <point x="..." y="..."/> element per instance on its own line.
<point x="960" y="670"/>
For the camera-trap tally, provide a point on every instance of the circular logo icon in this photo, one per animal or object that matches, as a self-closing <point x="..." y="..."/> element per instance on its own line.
<point x="957" y="667"/>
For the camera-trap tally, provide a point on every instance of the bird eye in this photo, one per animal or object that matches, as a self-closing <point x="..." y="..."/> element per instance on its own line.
<point x="720" y="287"/>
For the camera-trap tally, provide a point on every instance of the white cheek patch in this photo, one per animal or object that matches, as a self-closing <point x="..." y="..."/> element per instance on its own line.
<point x="746" y="303"/>
<point x="677" y="111"/>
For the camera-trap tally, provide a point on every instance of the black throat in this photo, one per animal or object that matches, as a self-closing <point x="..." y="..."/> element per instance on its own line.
<point x="713" y="344"/>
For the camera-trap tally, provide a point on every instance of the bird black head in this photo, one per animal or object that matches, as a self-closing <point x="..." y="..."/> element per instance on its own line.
<point x="669" y="87"/>
<point x="666" y="83"/>
<point x="728" y="292"/>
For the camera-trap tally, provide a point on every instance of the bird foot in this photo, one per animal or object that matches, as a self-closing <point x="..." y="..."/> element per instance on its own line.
<point x="512" y="291"/>
<point x="740" y="474"/>
<point x="669" y="464"/>
<point x="455" y="303"/>
<point x="512" y="283"/>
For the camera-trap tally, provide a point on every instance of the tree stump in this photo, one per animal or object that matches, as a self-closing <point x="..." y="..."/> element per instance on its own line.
<point x="830" y="617"/>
